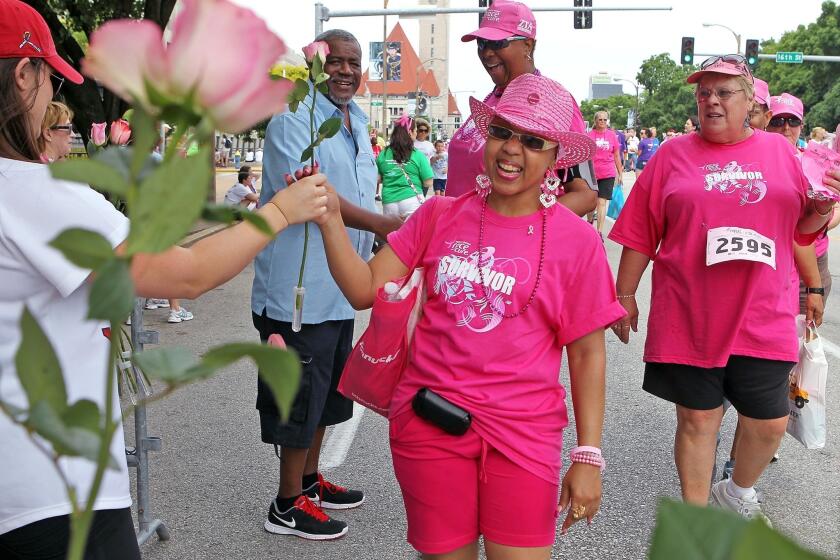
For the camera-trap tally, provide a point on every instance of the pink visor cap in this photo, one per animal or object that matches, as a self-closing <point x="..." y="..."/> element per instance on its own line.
<point x="721" y="66"/>
<point x="505" y="19"/>
<point x="786" y="104"/>
<point x="762" y="92"/>
<point x="543" y="108"/>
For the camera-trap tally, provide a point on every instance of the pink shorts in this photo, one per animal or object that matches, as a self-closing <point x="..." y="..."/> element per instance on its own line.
<point x="456" y="488"/>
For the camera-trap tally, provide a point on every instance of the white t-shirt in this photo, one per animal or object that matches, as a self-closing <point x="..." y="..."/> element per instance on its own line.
<point x="632" y="145"/>
<point x="235" y="194"/>
<point x="34" y="209"/>
<point x="426" y="147"/>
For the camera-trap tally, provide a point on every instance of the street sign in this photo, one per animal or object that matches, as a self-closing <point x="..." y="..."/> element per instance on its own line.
<point x="789" y="57"/>
<point x="376" y="103"/>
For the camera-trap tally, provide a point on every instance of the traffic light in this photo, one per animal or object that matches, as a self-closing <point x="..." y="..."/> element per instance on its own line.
<point x="687" y="51"/>
<point x="583" y="20"/>
<point x="751" y="52"/>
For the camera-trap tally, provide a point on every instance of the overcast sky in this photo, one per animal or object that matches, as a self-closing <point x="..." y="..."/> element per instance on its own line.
<point x="617" y="43"/>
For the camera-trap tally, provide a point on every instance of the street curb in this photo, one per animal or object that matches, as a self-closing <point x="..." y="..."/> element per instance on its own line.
<point x="201" y="234"/>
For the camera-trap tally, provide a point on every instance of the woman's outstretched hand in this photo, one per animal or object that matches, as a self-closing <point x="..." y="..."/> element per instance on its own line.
<point x="304" y="200"/>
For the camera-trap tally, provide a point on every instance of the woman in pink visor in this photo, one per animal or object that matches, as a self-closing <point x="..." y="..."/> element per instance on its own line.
<point x="718" y="212"/>
<point x="503" y="301"/>
<point x="788" y="113"/>
<point x="506" y="40"/>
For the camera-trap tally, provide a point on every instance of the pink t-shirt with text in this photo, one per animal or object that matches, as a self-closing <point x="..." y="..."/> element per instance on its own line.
<point x="700" y="315"/>
<point x="505" y="372"/>
<point x="606" y="146"/>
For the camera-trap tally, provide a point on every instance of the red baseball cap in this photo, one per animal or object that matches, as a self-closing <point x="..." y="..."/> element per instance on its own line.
<point x="24" y="33"/>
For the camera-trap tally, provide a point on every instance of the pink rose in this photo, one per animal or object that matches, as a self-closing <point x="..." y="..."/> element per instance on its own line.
<point x="233" y="90"/>
<point x="316" y="48"/>
<point x="97" y="134"/>
<point x="120" y="132"/>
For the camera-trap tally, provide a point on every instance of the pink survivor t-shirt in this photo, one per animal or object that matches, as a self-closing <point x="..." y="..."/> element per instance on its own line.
<point x="677" y="214"/>
<point x="606" y="144"/>
<point x="505" y="372"/>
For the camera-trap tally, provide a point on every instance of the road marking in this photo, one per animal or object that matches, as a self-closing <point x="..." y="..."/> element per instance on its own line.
<point x="338" y="445"/>
<point x="830" y="347"/>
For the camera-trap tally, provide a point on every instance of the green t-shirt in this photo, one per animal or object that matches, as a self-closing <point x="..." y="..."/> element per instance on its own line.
<point x="395" y="187"/>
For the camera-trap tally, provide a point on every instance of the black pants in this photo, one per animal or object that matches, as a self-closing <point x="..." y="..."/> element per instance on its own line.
<point x="111" y="538"/>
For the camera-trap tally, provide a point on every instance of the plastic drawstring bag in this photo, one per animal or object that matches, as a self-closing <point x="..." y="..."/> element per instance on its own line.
<point x="617" y="202"/>
<point x="806" y="421"/>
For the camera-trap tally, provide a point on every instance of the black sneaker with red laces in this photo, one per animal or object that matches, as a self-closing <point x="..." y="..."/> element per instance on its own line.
<point x="304" y="519"/>
<point x="332" y="496"/>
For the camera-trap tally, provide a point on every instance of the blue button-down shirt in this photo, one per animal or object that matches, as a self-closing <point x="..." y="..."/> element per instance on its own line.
<point x="347" y="160"/>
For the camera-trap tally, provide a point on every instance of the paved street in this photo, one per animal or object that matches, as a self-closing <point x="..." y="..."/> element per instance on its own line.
<point x="213" y="479"/>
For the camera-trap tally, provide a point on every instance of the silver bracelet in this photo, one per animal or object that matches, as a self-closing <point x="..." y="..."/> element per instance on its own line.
<point x="830" y="210"/>
<point x="625" y="296"/>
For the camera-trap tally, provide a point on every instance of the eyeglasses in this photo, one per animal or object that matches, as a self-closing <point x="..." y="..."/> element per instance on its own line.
<point x="736" y="59"/>
<point x="704" y="94"/>
<point x="600" y="119"/>
<point x="68" y="127"/>
<point x="779" y="122"/>
<point x="496" y="45"/>
<point x="57" y="82"/>
<point x="528" y="140"/>
<point x="422" y="130"/>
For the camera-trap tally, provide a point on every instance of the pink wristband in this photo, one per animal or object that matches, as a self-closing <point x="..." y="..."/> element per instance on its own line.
<point x="589" y="456"/>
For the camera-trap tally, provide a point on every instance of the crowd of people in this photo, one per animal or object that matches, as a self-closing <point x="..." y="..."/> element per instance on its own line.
<point x="722" y="210"/>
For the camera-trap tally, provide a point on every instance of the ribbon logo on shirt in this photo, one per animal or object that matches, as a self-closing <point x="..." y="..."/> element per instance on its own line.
<point x="734" y="178"/>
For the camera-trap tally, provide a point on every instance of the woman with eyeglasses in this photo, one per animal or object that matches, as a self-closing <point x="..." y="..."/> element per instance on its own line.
<point x="718" y="212"/>
<point x="608" y="167"/>
<point x="34" y="507"/>
<point x="506" y="40"/>
<point x="56" y="132"/>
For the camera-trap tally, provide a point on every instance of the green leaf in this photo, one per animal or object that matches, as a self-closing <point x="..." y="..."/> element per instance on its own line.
<point x="220" y="213"/>
<point x="112" y="292"/>
<point x="307" y="154"/>
<point x="37" y="366"/>
<point x="321" y="78"/>
<point x="298" y="92"/>
<point x="75" y="433"/>
<point x="174" y="365"/>
<point x="84" y="248"/>
<point x="690" y="532"/>
<point x="168" y="202"/>
<point x="293" y="106"/>
<point x="278" y="368"/>
<point x="94" y="172"/>
<point x="323" y="88"/>
<point x="316" y="67"/>
<point x="146" y="134"/>
<point x="258" y="222"/>
<point x="330" y="127"/>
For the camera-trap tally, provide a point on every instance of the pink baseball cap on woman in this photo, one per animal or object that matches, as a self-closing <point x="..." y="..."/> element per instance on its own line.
<point x="542" y="107"/>
<point x="504" y="19"/>
<point x="762" y="92"/>
<point x="729" y="64"/>
<point x="786" y="104"/>
<point x="25" y="34"/>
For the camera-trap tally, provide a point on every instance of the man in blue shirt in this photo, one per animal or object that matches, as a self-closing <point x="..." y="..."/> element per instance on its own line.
<point x="325" y="339"/>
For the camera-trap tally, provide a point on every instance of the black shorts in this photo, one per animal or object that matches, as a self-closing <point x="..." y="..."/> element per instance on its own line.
<point x="605" y="188"/>
<point x="439" y="185"/>
<point x="111" y="537"/>
<point x="323" y="350"/>
<point x="640" y="164"/>
<point x="756" y="387"/>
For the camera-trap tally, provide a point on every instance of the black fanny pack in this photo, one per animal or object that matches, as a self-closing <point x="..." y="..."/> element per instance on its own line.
<point x="433" y="408"/>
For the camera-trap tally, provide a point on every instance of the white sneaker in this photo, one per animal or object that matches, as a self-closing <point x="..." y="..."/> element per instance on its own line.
<point x="749" y="508"/>
<point x="154" y="303"/>
<point x="176" y="316"/>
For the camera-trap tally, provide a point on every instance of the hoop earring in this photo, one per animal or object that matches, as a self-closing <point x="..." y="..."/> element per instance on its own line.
<point x="549" y="188"/>
<point x="483" y="186"/>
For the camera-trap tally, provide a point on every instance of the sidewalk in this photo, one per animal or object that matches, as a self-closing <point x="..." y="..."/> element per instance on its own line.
<point x="225" y="178"/>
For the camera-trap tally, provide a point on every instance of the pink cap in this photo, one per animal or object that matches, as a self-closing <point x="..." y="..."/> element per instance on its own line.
<point x="721" y="66"/>
<point x="762" y="92"/>
<point x="544" y="108"/>
<point x="786" y="104"/>
<point x="505" y="19"/>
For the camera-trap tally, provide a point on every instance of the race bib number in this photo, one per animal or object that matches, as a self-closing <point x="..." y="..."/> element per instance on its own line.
<point x="739" y="244"/>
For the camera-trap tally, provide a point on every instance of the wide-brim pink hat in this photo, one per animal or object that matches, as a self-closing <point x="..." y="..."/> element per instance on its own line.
<point x="543" y="107"/>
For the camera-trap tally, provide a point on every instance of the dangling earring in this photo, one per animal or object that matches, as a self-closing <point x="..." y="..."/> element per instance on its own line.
<point x="528" y="57"/>
<point x="482" y="185"/>
<point x="549" y="189"/>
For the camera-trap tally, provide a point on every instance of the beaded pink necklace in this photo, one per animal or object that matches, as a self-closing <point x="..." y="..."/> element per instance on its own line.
<point x="539" y="267"/>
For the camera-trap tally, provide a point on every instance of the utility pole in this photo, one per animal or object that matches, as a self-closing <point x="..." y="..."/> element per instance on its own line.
<point x="385" y="123"/>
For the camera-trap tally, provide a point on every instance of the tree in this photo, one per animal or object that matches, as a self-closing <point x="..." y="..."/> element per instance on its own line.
<point x="813" y="82"/>
<point x="617" y="106"/>
<point x="72" y="22"/>
<point x="668" y="100"/>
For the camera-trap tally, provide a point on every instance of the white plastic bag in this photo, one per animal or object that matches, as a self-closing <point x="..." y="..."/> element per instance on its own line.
<point x="806" y="421"/>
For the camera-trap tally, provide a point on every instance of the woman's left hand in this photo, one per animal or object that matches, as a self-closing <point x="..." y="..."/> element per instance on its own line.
<point x="831" y="179"/>
<point x="580" y="493"/>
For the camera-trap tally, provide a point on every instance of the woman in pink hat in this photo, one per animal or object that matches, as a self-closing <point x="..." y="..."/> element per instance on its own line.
<point x="718" y="212"/>
<point x="788" y="113"/>
<point x="503" y="301"/>
<point x="34" y="507"/>
<point x="506" y="40"/>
